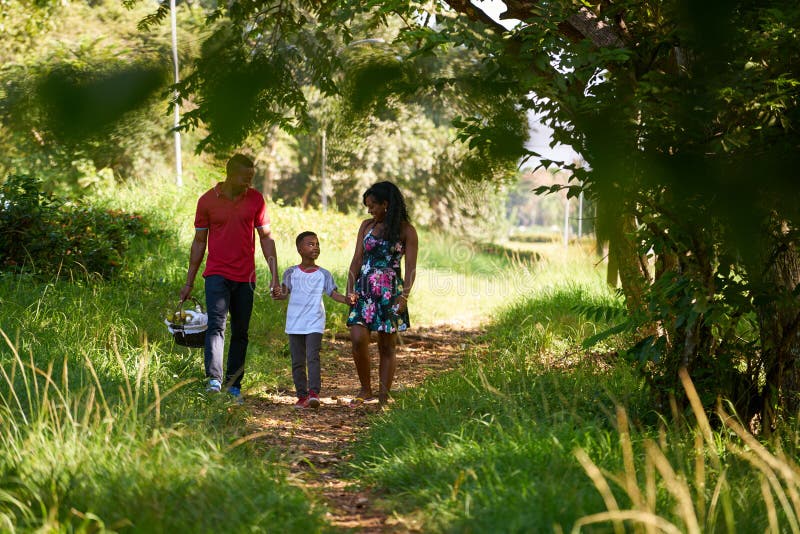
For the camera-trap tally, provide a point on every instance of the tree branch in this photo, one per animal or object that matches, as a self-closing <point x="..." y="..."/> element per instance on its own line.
<point x="584" y="24"/>
<point x="465" y="7"/>
<point x="594" y="29"/>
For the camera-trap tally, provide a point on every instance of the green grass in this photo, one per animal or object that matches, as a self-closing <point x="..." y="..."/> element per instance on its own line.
<point x="489" y="447"/>
<point x="106" y="425"/>
<point x="105" y="421"/>
<point x="458" y="282"/>
<point x="487" y="452"/>
<point x="507" y="442"/>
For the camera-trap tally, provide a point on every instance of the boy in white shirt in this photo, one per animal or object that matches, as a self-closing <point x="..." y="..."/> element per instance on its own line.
<point x="304" y="284"/>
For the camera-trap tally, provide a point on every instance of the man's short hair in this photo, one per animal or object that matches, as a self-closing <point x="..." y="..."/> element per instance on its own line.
<point x="301" y="236"/>
<point x="239" y="161"/>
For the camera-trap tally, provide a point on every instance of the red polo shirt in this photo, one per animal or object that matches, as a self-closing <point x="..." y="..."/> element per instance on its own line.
<point x="231" y="228"/>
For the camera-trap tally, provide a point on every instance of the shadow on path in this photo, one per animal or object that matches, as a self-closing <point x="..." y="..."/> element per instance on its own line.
<point x="314" y="443"/>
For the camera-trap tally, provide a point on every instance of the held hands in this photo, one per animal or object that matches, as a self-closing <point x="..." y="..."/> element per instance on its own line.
<point x="402" y="303"/>
<point x="278" y="292"/>
<point x="352" y="298"/>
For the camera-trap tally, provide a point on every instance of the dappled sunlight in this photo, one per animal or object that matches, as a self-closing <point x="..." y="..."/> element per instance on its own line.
<point x="527" y="394"/>
<point x="315" y="443"/>
<point x="460" y="299"/>
<point x="473" y="298"/>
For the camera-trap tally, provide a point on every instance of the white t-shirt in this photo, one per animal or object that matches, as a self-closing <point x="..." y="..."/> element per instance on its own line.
<point x="306" y="311"/>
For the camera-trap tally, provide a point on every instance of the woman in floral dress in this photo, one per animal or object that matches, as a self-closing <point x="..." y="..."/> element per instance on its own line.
<point x="377" y="290"/>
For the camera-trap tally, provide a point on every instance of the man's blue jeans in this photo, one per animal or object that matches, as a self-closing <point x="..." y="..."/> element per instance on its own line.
<point x="223" y="296"/>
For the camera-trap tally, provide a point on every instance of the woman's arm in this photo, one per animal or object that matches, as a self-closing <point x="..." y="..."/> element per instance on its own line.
<point x="358" y="258"/>
<point x="411" y="248"/>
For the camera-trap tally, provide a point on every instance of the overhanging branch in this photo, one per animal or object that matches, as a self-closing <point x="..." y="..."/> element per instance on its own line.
<point x="584" y="24"/>
<point x="473" y="13"/>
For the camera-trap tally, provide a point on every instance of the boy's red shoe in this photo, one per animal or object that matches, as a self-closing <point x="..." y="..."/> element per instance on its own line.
<point x="313" y="400"/>
<point x="301" y="403"/>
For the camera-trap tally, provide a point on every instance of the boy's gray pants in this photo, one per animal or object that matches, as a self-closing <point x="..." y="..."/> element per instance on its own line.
<point x="305" y="352"/>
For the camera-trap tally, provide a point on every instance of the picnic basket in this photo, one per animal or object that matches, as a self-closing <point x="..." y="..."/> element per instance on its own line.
<point x="188" y="326"/>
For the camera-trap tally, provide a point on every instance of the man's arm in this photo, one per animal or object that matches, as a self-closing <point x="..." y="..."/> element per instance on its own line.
<point x="271" y="255"/>
<point x="196" y="255"/>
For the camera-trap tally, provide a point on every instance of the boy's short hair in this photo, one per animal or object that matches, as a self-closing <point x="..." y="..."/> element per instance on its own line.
<point x="301" y="236"/>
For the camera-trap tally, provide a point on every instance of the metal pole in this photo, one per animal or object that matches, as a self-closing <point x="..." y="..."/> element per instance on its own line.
<point x="323" y="180"/>
<point x="177" y="117"/>
<point x="580" y="215"/>
<point x="566" y="221"/>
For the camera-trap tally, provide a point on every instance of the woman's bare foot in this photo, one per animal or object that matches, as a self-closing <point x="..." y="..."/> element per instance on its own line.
<point x="362" y="398"/>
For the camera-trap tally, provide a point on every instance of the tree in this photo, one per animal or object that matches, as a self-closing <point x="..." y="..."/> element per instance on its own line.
<point x="299" y="70"/>
<point x="82" y="99"/>
<point x="680" y="110"/>
<point x="683" y="111"/>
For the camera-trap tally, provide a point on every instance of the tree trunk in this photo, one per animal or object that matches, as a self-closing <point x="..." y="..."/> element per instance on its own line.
<point x="612" y="273"/>
<point x="633" y="274"/>
<point x="666" y="262"/>
<point x="779" y="321"/>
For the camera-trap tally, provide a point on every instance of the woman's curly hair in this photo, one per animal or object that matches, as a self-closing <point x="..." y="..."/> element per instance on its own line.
<point x="396" y="213"/>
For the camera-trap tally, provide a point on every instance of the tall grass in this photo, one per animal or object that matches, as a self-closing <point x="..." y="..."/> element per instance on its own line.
<point x="105" y="422"/>
<point x="534" y="434"/>
<point x="458" y="282"/>
<point x="106" y="425"/>
<point x="700" y="491"/>
<point x="488" y="447"/>
<point x="99" y="444"/>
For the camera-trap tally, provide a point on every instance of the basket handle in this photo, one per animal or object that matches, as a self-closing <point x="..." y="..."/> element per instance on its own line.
<point x="196" y="303"/>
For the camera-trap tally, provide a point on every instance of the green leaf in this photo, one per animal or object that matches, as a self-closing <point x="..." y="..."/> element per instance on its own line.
<point x="626" y="326"/>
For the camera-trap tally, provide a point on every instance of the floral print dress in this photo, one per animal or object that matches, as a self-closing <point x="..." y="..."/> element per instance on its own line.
<point x="378" y="286"/>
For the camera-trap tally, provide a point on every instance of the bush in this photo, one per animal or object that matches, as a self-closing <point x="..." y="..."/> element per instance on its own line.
<point x="43" y="235"/>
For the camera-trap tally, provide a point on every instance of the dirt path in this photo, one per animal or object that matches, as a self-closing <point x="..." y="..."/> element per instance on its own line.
<point x="314" y="442"/>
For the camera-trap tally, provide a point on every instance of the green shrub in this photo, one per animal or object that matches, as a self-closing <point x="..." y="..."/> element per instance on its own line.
<point x="41" y="234"/>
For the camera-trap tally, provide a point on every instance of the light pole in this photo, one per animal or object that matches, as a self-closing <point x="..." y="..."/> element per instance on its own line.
<point x="177" y="114"/>
<point x="323" y="180"/>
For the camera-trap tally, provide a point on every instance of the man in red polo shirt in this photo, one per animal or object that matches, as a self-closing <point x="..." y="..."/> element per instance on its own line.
<point x="228" y="217"/>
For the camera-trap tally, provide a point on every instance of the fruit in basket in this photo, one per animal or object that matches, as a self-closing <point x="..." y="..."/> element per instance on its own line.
<point x="180" y="317"/>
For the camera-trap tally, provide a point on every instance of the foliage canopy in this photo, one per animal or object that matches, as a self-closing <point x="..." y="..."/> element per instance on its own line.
<point x="683" y="111"/>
